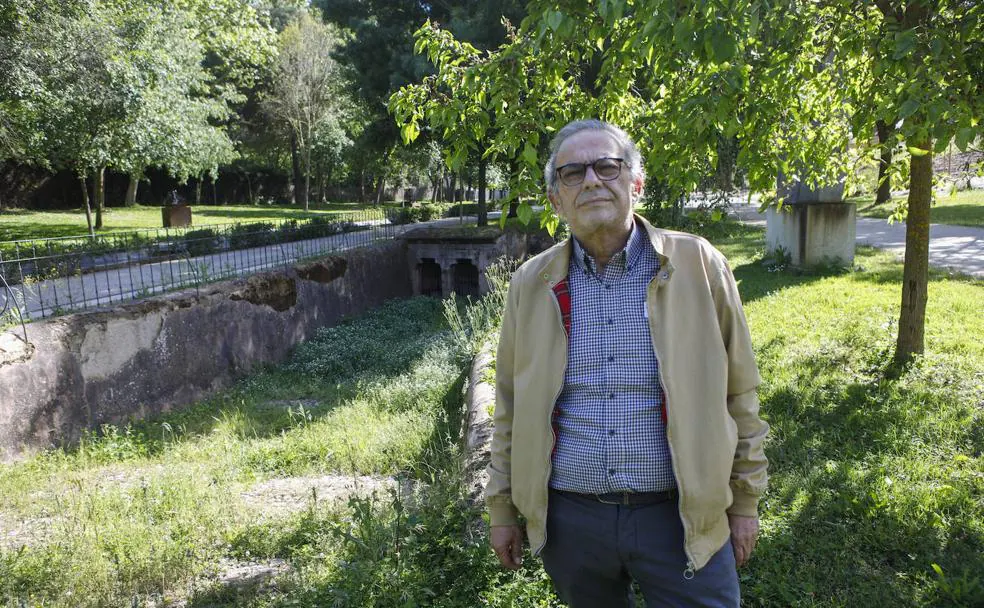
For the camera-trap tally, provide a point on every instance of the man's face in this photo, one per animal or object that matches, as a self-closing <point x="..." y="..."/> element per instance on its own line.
<point x="594" y="205"/>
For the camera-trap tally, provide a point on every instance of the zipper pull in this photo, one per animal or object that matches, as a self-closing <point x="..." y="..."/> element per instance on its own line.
<point x="688" y="574"/>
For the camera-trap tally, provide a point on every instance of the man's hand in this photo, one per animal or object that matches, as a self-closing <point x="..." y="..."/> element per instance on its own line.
<point x="507" y="542"/>
<point x="744" y="531"/>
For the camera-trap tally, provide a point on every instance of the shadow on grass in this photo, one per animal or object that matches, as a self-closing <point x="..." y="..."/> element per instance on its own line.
<point x="839" y="530"/>
<point x="962" y="215"/>
<point x="23" y="231"/>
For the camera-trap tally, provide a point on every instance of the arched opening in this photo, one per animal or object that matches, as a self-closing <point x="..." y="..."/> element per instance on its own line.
<point x="430" y="278"/>
<point x="465" y="278"/>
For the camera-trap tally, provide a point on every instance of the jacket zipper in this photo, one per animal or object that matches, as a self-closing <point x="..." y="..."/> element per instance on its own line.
<point x="690" y="569"/>
<point x="553" y="437"/>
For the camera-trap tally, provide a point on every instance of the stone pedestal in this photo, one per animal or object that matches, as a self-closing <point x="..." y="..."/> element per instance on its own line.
<point x="176" y="216"/>
<point x="813" y="233"/>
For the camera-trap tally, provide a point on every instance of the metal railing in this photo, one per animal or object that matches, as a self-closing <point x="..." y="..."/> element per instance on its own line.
<point x="48" y="277"/>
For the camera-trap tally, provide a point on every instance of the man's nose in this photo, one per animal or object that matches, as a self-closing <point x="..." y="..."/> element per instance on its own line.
<point x="590" y="177"/>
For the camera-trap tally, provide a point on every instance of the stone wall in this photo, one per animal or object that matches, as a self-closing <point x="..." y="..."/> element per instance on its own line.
<point x="81" y="371"/>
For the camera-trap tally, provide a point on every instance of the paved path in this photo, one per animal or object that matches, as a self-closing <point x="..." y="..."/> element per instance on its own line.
<point x="959" y="248"/>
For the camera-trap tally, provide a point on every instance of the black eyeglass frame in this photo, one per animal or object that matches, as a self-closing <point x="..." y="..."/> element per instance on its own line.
<point x="594" y="167"/>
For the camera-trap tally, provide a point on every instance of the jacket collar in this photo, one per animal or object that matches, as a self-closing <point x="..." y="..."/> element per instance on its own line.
<point x="558" y="259"/>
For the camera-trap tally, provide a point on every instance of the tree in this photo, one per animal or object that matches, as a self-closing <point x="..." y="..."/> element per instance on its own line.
<point x="794" y="81"/>
<point x="306" y="92"/>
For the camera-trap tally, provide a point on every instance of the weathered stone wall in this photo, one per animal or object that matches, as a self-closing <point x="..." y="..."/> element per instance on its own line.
<point x="84" y="370"/>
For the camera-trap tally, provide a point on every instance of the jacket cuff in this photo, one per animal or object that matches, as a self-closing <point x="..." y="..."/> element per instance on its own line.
<point x="502" y="512"/>
<point x="744" y="504"/>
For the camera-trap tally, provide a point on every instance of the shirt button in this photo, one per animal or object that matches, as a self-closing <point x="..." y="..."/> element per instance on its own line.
<point x="611" y="432"/>
<point x="608" y="286"/>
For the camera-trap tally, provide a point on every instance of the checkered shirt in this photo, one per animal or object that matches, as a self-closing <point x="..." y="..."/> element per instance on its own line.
<point x="609" y="420"/>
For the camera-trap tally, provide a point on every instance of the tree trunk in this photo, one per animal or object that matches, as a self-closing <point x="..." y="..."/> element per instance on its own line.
<point x="884" y="181"/>
<point x="295" y="163"/>
<point x="88" y="207"/>
<point x="483" y="212"/>
<point x="362" y="186"/>
<point x="380" y="187"/>
<point x="915" y="275"/>
<point x="131" y="190"/>
<point x="307" y="177"/>
<point x="99" y="191"/>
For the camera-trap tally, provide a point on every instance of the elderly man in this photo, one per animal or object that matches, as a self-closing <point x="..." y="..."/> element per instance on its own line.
<point x="627" y="431"/>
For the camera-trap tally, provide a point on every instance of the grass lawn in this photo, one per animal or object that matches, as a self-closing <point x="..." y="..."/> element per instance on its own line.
<point x="876" y="495"/>
<point x="964" y="208"/>
<point x="22" y="224"/>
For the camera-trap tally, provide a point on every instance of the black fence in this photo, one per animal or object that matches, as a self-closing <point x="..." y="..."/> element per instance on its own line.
<point x="48" y="277"/>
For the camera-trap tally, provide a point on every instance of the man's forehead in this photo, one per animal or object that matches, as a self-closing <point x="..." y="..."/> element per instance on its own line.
<point x="587" y="146"/>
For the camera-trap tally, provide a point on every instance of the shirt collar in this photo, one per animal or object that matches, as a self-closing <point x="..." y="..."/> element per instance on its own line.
<point x="628" y="256"/>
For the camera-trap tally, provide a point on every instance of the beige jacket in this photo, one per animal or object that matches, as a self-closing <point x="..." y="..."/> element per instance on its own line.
<point x="707" y="369"/>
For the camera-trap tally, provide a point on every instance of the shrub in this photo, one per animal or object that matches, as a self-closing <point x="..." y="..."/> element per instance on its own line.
<point x="244" y="236"/>
<point x="201" y="242"/>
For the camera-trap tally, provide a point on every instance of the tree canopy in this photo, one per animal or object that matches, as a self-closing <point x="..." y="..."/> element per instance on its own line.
<point x="799" y="84"/>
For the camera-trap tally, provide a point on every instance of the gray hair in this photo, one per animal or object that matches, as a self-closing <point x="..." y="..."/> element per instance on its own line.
<point x="630" y="151"/>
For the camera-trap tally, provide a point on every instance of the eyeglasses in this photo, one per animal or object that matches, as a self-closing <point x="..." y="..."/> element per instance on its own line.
<point x="605" y="168"/>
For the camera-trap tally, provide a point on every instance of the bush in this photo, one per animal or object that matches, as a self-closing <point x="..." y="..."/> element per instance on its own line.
<point x="244" y="236"/>
<point x="411" y="215"/>
<point x="452" y="210"/>
<point x="201" y="242"/>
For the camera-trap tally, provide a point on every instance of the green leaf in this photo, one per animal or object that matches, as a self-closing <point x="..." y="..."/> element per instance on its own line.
<point x="554" y="19"/>
<point x="917" y="151"/>
<point x="529" y="154"/>
<point x="964" y="137"/>
<point x="723" y="48"/>
<point x="908" y="108"/>
<point x="525" y="212"/>
<point x="904" y="42"/>
<point x="409" y="132"/>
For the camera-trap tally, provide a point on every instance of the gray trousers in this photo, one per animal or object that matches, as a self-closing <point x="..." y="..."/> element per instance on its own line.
<point x="595" y="550"/>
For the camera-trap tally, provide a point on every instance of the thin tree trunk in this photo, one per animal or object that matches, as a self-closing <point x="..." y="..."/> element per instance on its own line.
<point x="380" y="187"/>
<point x="88" y="207"/>
<point x="99" y="185"/>
<point x="131" y="190"/>
<point x="307" y="177"/>
<point x="915" y="275"/>
<point x="198" y="189"/>
<point x="295" y="162"/>
<point x="884" y="131"/>
<point x="483" y="212"/>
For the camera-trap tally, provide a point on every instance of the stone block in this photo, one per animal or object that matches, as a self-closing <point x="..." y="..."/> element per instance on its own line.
<point x="813" y="233"/>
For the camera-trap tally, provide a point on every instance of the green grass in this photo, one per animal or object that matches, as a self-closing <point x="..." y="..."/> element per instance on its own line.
<point x="876" y="494"/>
<point x="22" y="224"/>
<point x="873" y="479"/>
<point x="963" y="208"/>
